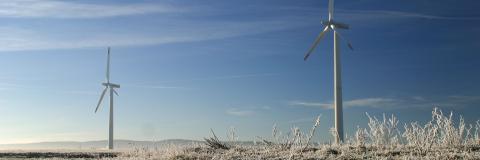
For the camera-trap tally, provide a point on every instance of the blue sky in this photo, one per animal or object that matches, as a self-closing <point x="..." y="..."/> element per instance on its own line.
<point x="188" y="66"/>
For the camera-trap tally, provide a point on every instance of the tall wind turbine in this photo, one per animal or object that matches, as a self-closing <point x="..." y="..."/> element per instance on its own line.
<point x="329" y="26"/>
<point x="111" y="87"/>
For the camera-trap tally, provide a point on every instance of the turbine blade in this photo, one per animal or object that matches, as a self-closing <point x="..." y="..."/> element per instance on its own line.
<point x="330" y="10"/>
<point x="108" y="65"/>
<point x="101" y="98"/>
<point x="114" y="91"/>
<point x="343" y="38"/>
<point x="317" y="40"/>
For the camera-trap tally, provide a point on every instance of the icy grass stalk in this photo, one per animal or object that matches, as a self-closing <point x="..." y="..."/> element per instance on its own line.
<point x="232" y="135"/>
<point x="312" y="132"/>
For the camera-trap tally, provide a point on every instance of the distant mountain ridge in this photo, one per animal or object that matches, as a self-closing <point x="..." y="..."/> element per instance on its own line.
<point x="100" y="144"/>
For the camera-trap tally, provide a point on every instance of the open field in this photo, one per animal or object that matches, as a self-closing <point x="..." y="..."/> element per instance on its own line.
<point x="440" y="138"/>
<point x="260" y="152"/>
<point x="52" y="154"/>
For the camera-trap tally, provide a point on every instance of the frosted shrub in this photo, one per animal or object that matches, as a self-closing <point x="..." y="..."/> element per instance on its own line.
<point x="440" y="132"/>
<point x="361" y="136"/>
<point x="420" y="136"/>
<point x="476" y="134"/>
<point x="449" y="135"/>
<point x="294" y="140"/>
<point x="382" y="132"/>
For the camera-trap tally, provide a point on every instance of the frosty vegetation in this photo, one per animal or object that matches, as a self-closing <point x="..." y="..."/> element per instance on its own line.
<point x="384" y="138"/>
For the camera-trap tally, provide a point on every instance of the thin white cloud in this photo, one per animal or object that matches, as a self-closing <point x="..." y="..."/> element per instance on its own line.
<point x="353" y="14"/>
<point x="69" y="9"/>
<point x="371" y="102"/>
<point x="408" y="102"/>
<point x="12" y="86"/>
<point x="457" y="101"/>
<point x="399" y="14"/>
<point x="418" y="98"/>
<point x="465" y="98"/>
<point x="213" y="78"/>
<point x="155" y="86"/>
<point x="240" y="112"/>
<point x="226" y="77"/>
<point x="364" y="102"/>
<point x="27" y="39"/>
<point x="81" y="92"/>
<point x="312" y="104"/>
<point x="165" y="87"/>
<point x="265" y="108"/>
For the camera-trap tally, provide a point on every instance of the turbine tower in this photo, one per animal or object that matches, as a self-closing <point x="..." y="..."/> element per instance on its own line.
<point x="333" y="25"/>
<point x="111" y="87"/>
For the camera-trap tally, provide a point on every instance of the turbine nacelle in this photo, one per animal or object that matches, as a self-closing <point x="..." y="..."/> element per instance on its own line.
<point x="336" y="25"/>
<point x="111" y="85"/>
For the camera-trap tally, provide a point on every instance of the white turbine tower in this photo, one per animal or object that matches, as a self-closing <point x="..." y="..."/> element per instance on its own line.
<point x="111" y="87"/>
<point x="333" y="25"/>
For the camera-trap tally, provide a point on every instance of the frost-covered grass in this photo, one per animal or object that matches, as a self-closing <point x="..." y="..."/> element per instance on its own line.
<point x="384" y="138"/>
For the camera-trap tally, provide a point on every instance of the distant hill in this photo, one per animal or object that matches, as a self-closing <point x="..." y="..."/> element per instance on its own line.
<point x="119" y="144"/>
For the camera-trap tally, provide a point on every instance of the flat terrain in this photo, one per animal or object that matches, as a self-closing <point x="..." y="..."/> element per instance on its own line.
<point x="55" y="154"/>
<point x="258" y="152"/>
<point x="440" y="138"/>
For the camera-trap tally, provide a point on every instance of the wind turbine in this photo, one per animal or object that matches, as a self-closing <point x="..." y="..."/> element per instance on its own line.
<point x="111" y="87"/>
<point x="329" y="26"/>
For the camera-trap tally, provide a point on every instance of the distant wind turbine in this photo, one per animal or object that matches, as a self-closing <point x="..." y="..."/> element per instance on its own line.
<point x="112" y="87"/>
<point x="333" y="25"/>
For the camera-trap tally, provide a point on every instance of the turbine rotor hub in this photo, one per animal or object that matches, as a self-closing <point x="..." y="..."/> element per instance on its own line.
<point x="112" y="85"/>
<point x="335" y="24"/>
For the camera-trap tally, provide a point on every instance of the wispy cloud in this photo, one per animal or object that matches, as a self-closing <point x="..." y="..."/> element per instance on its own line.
<point x="17" y="37"/>
<point x="25" y="38"/>
<point x="12" y="86"/>
<point x="399" y="14"/>
<point x="81" y="92"/>
<point x="69" y="9"/>
<point x="458" y="101"/>
<point x="312" y="104"/>
<point x="371" y="102"/>
<point x="247" y="110"/>
<point x="399" y="102"/>
<point x="364" y="102"/>
<point x="225" y="77"/>
<point x="240" y="112"/>
<point x="354" y="13"/>
<point x="155" y="86"/>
